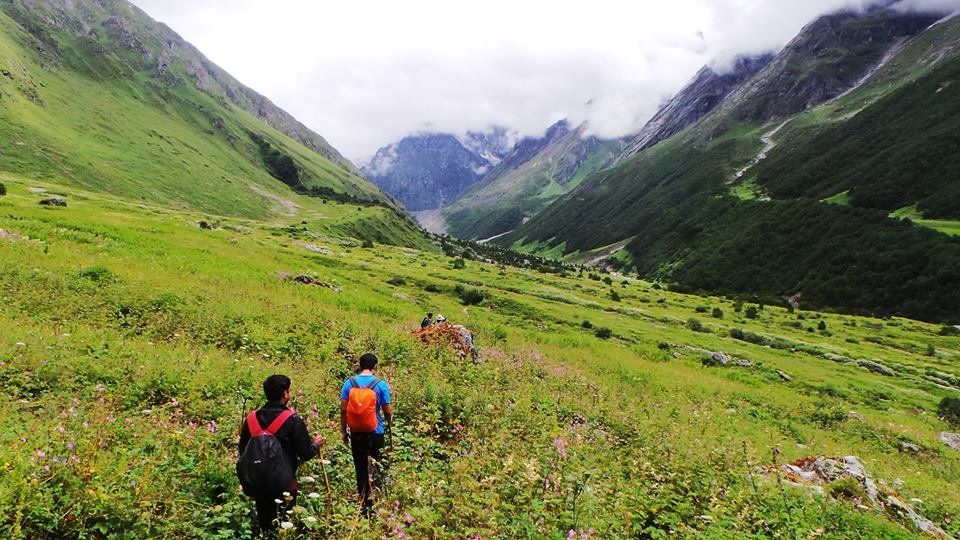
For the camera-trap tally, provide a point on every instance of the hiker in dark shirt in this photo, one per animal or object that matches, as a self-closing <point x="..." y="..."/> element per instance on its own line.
<point x="294" y="440"/>
<point x="427" y="321"/>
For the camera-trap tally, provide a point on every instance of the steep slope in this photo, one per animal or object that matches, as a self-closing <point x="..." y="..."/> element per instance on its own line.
<point x="691" y="218"/>
<point x="430" y="170"/>
<point x="98" y="95"/>
<point x="694" y="101"/>
<point x="533" y="175"/>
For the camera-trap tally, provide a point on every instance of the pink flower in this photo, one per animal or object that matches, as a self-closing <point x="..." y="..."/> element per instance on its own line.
<point x="408" y="518"/>
<point x="212" y="426"/>
<point x="561" y="446"/>
<point x="41" y="453"/>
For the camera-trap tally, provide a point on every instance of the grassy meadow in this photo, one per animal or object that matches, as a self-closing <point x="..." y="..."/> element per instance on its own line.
<point x="132" y="341"/>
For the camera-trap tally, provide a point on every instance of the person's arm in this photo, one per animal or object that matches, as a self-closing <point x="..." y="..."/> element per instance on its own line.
<point x="343" y="422"/>
<point x="305" y="447"/>
<point x="388" y="414"/>
<point x="244" y="435"/>
<point x="387" y="401"/>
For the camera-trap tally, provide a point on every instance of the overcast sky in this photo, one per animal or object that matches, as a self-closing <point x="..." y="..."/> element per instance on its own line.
<point x="364" y="74"/>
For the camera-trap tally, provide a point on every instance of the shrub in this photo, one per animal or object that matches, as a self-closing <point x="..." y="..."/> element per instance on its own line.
<point x="931" y="350"/>
<point x="752" y="312"/>
<point x="663" y="346"/>
<point x="397" y="281"/>
<point x="614" y="296"/>
<point x="97" y="274"/>
<point x="367" y="244"/>
<point x="587" y="325"/>
<point x="471" y="296"/>
<point x="432" y="288"/>
<point x="695" y="325"/>
<point x="3" y="190"/>
<point x="949" y="410"/>
<point x="607" y="280"/>
<point x="593" y="276"/>
<point x="738" y="306"/>
<point x="717" y="313"/>
<point x="604" y="333"/>
<point x="459" y="264"/>
<point x="702" y="309"/>
<point x="822" y="326"/>
<point x="950" y="331"/>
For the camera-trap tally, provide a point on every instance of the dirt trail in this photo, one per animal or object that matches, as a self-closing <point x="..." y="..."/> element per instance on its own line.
<point x="768" y="145"/>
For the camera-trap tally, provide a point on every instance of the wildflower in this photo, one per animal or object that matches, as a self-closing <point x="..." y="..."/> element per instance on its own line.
<point x="286" y="525"/>
<point x="310" y="519"/>
<point x="289" y="512"/>
<point x="307" y="480"/>
<point x="408" y="518"/>
<point x="314" y="495"/>
<point x="212" y="426"/>
<point x="325" y="461"/>
<point x="286" y="494"/>
<point x="41" y="453"/>
<point x="278" y="501"/>
<point x="561" y="446"/>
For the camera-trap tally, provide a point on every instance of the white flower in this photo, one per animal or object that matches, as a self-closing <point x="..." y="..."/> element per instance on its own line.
<point x="325" y="461"/>
<point x="310" y="519"/>
<point x="278" y="501"/>
<point x="286" y="525"/>
<point x="289" y="512"/>
<point x="286" y="493"/>
<point x="314" y="495"/>
<point x="307" y="480"/>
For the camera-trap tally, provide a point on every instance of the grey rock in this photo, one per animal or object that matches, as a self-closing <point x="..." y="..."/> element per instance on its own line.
<point x="784" y="376"/>
<point x="877" y="367"/>
<point x="54" y="201"/>
<point x="908" y="447"/>
<point x="952" y="440"/>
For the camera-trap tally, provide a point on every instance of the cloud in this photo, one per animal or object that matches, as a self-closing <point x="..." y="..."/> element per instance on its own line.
<point x="364" y="74"/>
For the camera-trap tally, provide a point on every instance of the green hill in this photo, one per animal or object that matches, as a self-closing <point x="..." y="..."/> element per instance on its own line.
<point x="99" y="96"/>
<point x="733" y="205"/>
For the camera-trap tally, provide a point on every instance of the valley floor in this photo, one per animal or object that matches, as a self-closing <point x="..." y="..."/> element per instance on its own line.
<point x="132" y="341"/>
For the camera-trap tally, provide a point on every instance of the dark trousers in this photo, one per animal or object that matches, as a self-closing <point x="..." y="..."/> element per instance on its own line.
<point x="365" y="445"/>
<point x="268" y="511"/>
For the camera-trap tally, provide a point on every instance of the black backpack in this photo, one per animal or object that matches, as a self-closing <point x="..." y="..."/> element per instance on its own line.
<point x="264" y="468"/>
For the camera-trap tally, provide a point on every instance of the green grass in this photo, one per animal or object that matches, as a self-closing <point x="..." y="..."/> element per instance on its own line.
<point x="842" y="199"/>
<point x="132" y="341"/>
<point x="747" y="190"/>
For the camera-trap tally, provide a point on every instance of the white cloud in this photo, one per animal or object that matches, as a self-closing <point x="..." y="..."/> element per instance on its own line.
<point x="364" y="74"/>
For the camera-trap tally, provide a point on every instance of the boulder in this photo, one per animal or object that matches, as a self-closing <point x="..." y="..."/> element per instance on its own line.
<point x="54" y="201"/>
<point x="723" y="359"/>
<point x="784" y="376"/>
<point x="908" y="448"/>
<point x="304" y="279"/>
<point x="876" y="367"/>
<point x="952" y="440"/>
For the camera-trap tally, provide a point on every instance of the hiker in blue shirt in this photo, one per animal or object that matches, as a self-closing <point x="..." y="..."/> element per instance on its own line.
<point x="364" y="402"/>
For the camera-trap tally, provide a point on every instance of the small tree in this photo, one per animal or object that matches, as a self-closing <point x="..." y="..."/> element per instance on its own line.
<point x="459" y="264"/>
<point x="614" y="295"/>
<point x="607" y="280"/>
<point x="949" y="410"/>
<point x="695" y="324"/>
<point x="587" y="325"/>
<point x="717" y="313"/>
<point x="822" y="326"/>
<point x="604" y="333"/>
<point x="752" y="312"/>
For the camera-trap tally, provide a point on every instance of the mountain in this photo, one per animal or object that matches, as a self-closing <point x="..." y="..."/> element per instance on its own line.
<point x="696" y="100"/>
<point x="97" y="95"/>
<point x="534" y="174"/>
<point x="796" y="181"/>
<point x="428" y="171"/>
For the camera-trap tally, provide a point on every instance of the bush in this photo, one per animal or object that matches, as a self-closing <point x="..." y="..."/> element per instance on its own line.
<point x="950" y="331"/>
<point x="367" y="244"/>
<point x="397" y="281"/>
<point x="717" y="313"/>
<point x="949" y="410"/>
<point x="702" y="309"/>
<point x="432" y="288"/>
<point x="459" y="264"/>
<point x="822" y="326"/>
<point x="738" y="306"/>
<point x="695" y="325"/>
<point x="614" y="296"/>
<point x="3" y="190"/>
<point x="752" y="312"/>
<point x="607" y="280"/>
<point x="587" y="325"/>
<point x="604" y="333"/>
<point x="470" y="296"/>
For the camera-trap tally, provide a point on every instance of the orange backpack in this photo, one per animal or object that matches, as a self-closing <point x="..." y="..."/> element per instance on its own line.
<point x="362" y="407"/>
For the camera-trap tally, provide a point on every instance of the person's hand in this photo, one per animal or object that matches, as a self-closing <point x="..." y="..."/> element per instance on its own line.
<point x="346" y="438"/>
<point x="319" y="440"/>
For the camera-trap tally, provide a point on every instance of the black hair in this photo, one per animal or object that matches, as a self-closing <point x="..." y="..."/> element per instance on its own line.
<point x="430" y="315"/>
<point x="368" y="361"/>
<point x="275" y="386"/>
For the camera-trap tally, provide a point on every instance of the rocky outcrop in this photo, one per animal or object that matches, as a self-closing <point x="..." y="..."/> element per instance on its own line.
<point x="952" y="440"/>
<point x="694" y="101"/>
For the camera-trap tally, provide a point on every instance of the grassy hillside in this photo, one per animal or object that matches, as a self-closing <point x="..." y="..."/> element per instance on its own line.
<point x="709" y="209"/>
<point x="98" y="96"/>
<point x="131" y="342"/>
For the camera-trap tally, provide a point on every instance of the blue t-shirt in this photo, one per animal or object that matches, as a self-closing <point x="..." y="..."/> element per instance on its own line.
<point x="382" y="390"/>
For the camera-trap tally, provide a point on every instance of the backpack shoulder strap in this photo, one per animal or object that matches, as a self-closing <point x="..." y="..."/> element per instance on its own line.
<point x="278" y="422"/>
<point x="353" y="382"/>
<point x="373" y="384"/>
<point x="253" y="425"/>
